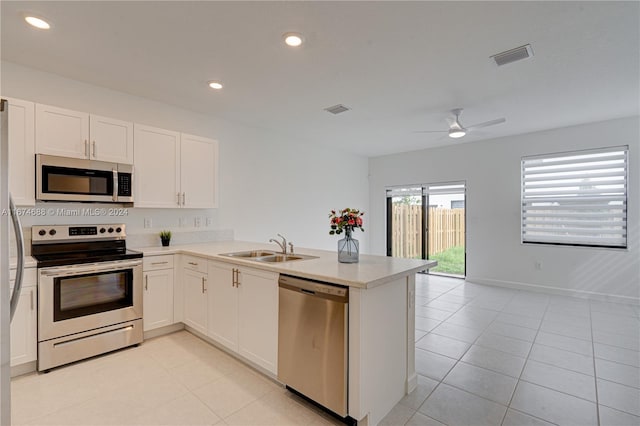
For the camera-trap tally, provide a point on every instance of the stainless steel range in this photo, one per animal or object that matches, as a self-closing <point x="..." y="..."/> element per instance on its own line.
<point x="89" y="292"/>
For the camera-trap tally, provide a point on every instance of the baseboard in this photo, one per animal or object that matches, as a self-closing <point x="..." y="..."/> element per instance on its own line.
<point x="163" y="330"/>
<point x="412" y="383"/>
<point x="26" y="368"/>
<point x="235" y="355"/>
<point x="591" y="295"/>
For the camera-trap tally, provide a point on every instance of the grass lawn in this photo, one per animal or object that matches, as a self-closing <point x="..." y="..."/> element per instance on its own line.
<point x="450" y="261"/>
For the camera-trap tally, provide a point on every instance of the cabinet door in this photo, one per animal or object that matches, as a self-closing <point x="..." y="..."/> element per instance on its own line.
<point x="111" y="140"/>
<point x="156" y="159"/>
<point x="62" y="132"/>
<point x="258" y="318"/>
<point x="24" y="339"/>
<point x="21" y="152"/>
<point x="199" y="171"/>
<point x="195" y="300"/>
<point x="223" y="305"/>
<point x="158" y="299"/>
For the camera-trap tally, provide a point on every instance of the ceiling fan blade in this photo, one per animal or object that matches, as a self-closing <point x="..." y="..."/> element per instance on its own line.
<point x="430" y="131"/>
<point x="487" y="123"/>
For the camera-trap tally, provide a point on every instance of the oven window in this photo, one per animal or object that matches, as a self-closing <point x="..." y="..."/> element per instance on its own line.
<point x="82" y="295"/>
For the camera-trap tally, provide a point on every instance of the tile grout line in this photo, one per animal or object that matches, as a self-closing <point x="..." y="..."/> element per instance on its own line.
<point x="546" y="308"/>
<point x="595" y="371"/>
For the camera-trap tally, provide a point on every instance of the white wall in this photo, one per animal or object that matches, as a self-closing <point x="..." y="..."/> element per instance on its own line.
<point x="269" y="182"/>
<point x="491" y="170"/>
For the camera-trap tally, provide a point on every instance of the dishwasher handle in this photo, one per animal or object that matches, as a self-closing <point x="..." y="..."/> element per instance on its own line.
<point x="314" y="288"/>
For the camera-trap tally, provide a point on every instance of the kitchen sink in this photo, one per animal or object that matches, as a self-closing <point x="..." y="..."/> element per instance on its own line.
<point x="251" y="253"/>
<point x="279" y="258"/>
<point x="267" y="256"/>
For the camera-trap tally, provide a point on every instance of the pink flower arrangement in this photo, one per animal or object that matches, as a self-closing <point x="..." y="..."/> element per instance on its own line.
<point x="346" y="219"/>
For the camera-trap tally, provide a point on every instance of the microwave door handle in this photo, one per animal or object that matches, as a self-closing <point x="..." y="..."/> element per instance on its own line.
<point x="115" y="184"/>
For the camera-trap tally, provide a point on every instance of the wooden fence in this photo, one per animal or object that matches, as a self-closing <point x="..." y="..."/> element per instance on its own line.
<point x="446" y="230"/>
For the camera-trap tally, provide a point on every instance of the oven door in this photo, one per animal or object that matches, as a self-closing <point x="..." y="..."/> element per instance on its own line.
<point x="78" y="298"/>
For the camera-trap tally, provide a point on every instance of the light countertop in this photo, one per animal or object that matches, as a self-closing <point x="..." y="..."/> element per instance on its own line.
<point x="370" y="272"/>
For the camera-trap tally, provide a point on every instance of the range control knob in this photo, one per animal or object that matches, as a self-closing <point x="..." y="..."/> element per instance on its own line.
<point x="102" y="230"/>
<point x="52" y="232"/>
<point x="42" y="232"/>
<point x="118" y="230"/>
<point x="110" y="230"/>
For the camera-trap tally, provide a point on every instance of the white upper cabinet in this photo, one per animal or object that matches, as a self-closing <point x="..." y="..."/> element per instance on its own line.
<point x="68" y="133"/>
<point x="21" y="152"/>
<point x="174" y="170"/>
<point x="62" y="132"/>
<point x="198" y="171"/>
<point x="111" y="139"/>
<point x="157" y="167"/>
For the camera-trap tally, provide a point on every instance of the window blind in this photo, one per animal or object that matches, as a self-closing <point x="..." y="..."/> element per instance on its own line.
<point x="576" y="198"/>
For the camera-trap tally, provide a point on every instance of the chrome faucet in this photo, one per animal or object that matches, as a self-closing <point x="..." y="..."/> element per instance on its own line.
<point x="283" y="244"/>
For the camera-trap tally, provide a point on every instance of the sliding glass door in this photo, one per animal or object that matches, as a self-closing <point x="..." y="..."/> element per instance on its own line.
<point x="428" y="222"/>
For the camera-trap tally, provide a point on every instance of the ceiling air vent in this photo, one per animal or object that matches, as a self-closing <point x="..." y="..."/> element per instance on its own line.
<point x="337" y="109"/>
<point x="513" y="55"/>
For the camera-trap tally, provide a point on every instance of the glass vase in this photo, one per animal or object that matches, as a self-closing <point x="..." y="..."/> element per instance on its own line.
<point x="348" y="248"/>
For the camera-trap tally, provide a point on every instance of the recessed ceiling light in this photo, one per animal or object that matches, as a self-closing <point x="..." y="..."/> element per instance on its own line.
<point x="293" y="39"/>
<point x="215" y="85"/>
<point x="37" y="22"/>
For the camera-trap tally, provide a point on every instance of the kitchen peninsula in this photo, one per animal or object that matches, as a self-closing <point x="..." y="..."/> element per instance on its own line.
<point x="381" y="322"/>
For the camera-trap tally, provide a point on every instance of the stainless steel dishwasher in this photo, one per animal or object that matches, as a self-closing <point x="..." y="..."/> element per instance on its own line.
<point x="312" y="341"/>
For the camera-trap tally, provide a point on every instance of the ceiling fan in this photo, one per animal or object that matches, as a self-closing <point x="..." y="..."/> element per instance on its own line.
<point x="457" y="130"/>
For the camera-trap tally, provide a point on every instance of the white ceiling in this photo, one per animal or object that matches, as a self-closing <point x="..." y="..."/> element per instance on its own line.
<point x="401" y="66"/>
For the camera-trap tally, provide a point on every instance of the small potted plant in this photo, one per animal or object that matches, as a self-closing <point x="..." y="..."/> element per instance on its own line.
<point x="165" y="237"/>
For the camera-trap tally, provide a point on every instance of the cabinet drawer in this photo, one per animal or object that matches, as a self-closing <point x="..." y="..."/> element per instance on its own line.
<point x="30" y="277"/>
<point x="151" y="263"/>
<point x="194" y="263"/>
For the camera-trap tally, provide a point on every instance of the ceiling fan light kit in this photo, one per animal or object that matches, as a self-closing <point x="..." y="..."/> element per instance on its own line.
<point x="457" y="130"/>
<point x="456" y="133"/>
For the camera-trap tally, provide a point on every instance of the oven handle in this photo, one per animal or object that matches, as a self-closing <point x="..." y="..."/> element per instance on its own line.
<point x="79" y="269"/>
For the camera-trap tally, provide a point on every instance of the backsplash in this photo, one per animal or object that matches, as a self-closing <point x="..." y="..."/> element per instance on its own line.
<point x="178" y="237"/>
<point x="144" y="239"/>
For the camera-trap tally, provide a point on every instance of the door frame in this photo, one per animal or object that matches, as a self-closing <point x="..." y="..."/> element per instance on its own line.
<point x="425" y="217"/>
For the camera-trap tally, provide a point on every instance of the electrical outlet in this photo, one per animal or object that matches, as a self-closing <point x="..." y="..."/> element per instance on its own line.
<point x="537" y="265"/>
<point x="197" y="222"/>
<point x="148" y="223"/>
<point x="208" y="221"/>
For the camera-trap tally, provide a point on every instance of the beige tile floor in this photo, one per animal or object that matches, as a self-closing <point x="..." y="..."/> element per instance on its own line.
<point x="494" y="356"/>
<point x="176" y="379"/>
<point x="485" y="356"/>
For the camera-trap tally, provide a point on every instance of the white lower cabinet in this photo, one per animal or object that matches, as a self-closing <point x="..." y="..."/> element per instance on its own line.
<point x="24" y="332"/>
<point x="243" y="312"/>
<point x="158" y="292"/>
<point x="195" y="299"/>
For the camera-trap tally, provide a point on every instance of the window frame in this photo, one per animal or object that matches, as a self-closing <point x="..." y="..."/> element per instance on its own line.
<point x="572" y="239"/>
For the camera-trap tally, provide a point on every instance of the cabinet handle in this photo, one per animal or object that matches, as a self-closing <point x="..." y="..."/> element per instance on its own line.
<point x="193" y="263"/>
<point x="178" y="198"/>
<point x="146" y="282"/>
<point x="94" y="149"/>
<point x="31" y="298"/>
<point x="237" y="278"/>
<point x="184" y="198"/>
<point x="159" y="263"/>
<point x="86" y="148"/>
<point x="203" y="288"/>
<point x="233" y="277"/>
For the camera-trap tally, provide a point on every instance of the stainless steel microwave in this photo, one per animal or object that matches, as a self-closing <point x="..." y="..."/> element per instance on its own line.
<point x="73" y="179"/>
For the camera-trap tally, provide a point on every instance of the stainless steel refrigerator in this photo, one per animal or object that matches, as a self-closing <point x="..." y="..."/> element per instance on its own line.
<point x="8" y="302"/>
